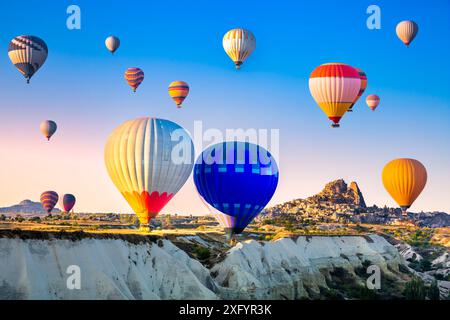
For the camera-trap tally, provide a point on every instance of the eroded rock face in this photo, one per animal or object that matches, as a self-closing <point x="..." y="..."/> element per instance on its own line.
<point x="158" y="269"/>
<point x="289" y="269"/>
<point x="109" y="269"/>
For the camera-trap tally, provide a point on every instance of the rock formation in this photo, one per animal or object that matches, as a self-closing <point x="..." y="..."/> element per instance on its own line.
<point x="37" y="266"/>
<point x="27" y="207"/>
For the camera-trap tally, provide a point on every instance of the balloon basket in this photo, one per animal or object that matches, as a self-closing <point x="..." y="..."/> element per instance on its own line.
<point x="335" y="125"/>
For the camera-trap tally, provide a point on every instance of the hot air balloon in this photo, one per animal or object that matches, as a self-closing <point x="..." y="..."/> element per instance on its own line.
<point x="112" y="43"/>
<point x="237" y="179"/>
<point x="49" y="200"/>
<point x="28" y="54"/>
<point x="239" y="45"/>
<point x="363" y="87"/>
<point x="48" y="128"/>
<point x="335" y="87"/>
<point x="372" y="101"/>
<point x="134" y="77"/>
<point x="404" y="179"/>
<point x="178" y="90"/>
<point x="407" y="31"/>
<point x="68" y="202"/>
<point x="149" y="160"/>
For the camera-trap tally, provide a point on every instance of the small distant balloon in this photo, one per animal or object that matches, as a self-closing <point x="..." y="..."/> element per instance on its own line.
<point x="134" y="77"/>
<point x="407" y="31"/>
<point x="48" y="128"/>
<point x="239" y="45"/>
<point x="373" y="101"/>
<point x="68" y="202"/>
<point x="178" y="90"/>
<point x="28" y="54"/>
<point x="49" y="200"/>
<point x="112" y="43"/>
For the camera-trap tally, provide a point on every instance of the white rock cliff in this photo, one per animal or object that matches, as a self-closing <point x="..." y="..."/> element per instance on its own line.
<point x="118" y="269"/>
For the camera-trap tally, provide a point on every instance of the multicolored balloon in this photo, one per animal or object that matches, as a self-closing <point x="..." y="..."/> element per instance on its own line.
<point x="68" y="202"/>
<point x="404" y="179"/>
<point x="112" y="43"/>
<point x="149" y="160"/>
<point x="363" y="87"/>
<point x="373" y="101"/>
<point x="335" y="87"/>
<point x="134" y="77"/>
<point x="48" y="128"/>
<point x="48" y="200"/>
<point x="237" y="179"/>
<point x="239" y="45"/>
<point x="28" y="54"/>
<point x="178" y="90"/>
<point x="407" y="31"/>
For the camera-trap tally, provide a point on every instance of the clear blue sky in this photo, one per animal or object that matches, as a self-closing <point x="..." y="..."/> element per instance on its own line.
<point x="81" y="86"/>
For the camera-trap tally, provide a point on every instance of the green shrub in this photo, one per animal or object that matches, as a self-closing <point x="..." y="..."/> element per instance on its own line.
<point x="415" y="289"/>
<point x="433" y="291"/>
<point x="202" y="253"/>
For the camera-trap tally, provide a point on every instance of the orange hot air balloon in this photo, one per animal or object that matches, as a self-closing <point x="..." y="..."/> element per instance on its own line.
<point x="363" y="87"/>
<point x="404" y="179"/>
<point x="373" y="101"/>
<point x="178" y="90"/>
<point x="335" y="87"/>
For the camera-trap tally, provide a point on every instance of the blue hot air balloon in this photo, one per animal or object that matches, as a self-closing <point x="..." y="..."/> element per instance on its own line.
<point x="237" y="179"/>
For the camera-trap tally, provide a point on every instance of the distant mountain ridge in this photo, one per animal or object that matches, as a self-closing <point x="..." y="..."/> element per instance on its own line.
<point x="26" y="207"/>
<point x="339" y="202"/>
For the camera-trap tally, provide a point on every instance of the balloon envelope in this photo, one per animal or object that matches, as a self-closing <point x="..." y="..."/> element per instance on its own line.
<point x="407" y="31"/>
<point x="49" y="200"/>
<point x="239" y="45"/>
<point x="112" y="43"/>
<point x="48" y="128"/>
<point x="149" y="160"/>
<point x="335" y="87"/>
<point x="134" y="77"/>
<point x="363" y="87"/>
<point x="404" y="179"/>
<point x="237" y="179"/>
<point x="68" y="202"/>
<point x="178" y="90"/>
<point x="28" y="54"/>
<point x="373" y="101"/>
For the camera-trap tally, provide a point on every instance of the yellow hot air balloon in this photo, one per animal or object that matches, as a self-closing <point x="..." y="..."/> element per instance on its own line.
<point x="149" y="160"/>
<point x="404" y="179"/>
<point x="239" y="45"/>
<point x="335" y="87"/>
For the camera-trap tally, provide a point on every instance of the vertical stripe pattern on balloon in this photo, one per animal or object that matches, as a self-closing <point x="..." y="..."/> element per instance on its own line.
<point x="407" y="31"/>
<point x="239" y="45"/>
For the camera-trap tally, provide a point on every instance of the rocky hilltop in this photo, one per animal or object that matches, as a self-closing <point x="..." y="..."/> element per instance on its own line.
<point x="339" y="202"/>
<point x="38" y="265"/>
<point x="26" y="207"/>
